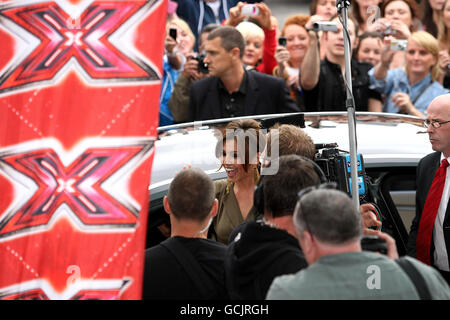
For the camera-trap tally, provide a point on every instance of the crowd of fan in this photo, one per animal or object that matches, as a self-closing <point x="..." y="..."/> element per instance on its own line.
<point x="400" y="58"/>
<point x="289" y="235"/>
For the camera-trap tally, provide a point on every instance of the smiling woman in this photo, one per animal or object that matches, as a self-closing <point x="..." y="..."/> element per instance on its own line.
<point x="290" y="56"/>
<point x="239" y="148"/>
<point x="410" y="89"/>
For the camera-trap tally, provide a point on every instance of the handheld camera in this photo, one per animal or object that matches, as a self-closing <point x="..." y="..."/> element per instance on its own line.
<point x="250" y="10"/>
<point x="202" y="66"/>
<point x="388" y="31"/>
<point x="399" y="45"/>
<point x="325" y="26"/>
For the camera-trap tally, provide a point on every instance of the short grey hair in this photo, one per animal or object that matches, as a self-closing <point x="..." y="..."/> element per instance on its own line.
<point x="329" y="215"/>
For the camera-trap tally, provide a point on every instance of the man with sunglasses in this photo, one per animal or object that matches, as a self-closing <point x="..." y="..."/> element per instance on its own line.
<point x="329" y="231"/>
<point x="429" y="237"/>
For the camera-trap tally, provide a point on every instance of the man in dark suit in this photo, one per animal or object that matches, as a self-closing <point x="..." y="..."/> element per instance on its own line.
<point x="231" y="91"/>
<point x="429" y="237"/>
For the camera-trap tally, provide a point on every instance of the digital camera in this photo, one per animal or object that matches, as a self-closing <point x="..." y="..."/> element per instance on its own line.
<point x="388" y="31"/>
<point x="325" y="26"/>
<point x="250" y="10"/>
<point x="202" y="66"/>
<point x="399" y="45"/>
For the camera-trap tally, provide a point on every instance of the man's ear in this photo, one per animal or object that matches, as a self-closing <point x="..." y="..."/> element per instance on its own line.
<point x="214" y="208"/>
<point x="167" y="205"/>
<point x="306" y="241"/>
<point x="236" y="53"/>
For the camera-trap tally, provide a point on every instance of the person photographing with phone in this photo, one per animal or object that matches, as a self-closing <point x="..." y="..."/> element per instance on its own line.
<point x="289" y="54"/>
<point x="179" y="43"/>
<point x="409" y="90"/>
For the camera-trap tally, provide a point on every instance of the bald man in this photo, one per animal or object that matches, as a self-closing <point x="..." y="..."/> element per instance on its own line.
<point x="429" y="237"/>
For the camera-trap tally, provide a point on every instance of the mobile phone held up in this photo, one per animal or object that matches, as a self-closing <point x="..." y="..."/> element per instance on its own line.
<point x="173" y="33"/>
<point x="282" y="41"/>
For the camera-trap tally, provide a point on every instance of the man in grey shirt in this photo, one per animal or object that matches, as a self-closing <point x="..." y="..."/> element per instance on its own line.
<point x="329" y="229"/>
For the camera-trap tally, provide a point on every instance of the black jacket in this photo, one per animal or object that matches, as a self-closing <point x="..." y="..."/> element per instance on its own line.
<point x="166" y="279"/>
<point x="256" y="255"/>
<point x="426" y="169"/>
<point x="265" y="95"/>
<point x="330" y="93"/>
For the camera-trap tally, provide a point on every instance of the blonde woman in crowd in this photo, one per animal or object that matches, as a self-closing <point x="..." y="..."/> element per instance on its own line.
<point x="410" y="89"/>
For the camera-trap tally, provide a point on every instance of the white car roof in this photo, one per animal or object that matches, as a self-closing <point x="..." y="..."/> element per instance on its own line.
<point x="384" y="140"/>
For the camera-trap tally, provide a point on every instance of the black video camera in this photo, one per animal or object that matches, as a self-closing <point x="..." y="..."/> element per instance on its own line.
<point x="202" y="66"/>
<point x="336" y="166"/>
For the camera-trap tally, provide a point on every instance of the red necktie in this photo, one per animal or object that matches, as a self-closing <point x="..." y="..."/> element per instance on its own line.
<point x="429" y="213"/>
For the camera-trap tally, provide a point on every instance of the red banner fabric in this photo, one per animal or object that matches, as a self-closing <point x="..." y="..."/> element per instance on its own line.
<point x="79" y="92"/>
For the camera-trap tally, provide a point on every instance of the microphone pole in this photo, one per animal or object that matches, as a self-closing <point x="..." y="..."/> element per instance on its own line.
<point x="342" y="7"/>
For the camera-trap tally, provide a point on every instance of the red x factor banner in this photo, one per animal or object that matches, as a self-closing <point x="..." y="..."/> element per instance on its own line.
<point x="79" y="92"/>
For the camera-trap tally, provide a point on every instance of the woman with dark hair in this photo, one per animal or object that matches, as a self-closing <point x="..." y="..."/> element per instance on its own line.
<point x="431" y="15"/>
<point x="363" y="10"/>
<point x="238" y="149"/>
<point x="324" y="8"/>
<point x="396" y="13"/>
<point x="444" y="44"/>
<point x="399" y="20"/>
<point x="369" y="48"/>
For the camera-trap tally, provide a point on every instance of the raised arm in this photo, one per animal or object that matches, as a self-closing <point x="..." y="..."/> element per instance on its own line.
<point x="310" y="69"/>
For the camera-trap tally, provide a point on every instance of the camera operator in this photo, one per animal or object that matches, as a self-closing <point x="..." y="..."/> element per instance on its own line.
<point x="329" y="232"/>
<point x="409" y="90"/>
